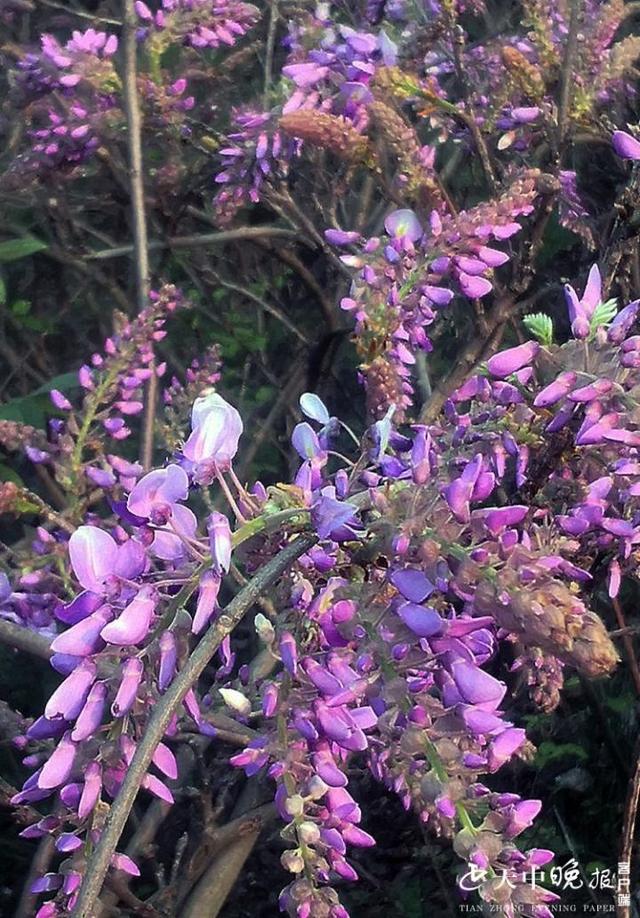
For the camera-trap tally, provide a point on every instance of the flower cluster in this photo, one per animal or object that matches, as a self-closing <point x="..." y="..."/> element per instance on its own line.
<point x="389" y="655"/>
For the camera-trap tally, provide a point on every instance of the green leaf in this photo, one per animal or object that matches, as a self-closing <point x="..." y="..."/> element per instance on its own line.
<point x="9" y="474"/>
<point x="604" y="314"/>
<point x="21" y="307"/>
<point x="14" y="249"/>
<point x="549" y="752"/>
<point x="34" y="408"/>
<point x="3" y="292"/>
<point x="540" y="326"/>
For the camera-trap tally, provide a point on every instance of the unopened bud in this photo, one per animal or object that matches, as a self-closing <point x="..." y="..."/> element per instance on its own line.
<point x="294" y="805"/>
<point x="317" y="788"/>
<point x="309" y="833"/>
<point x="264" y="629"/>
<point x="292" y="861"/>
<point x="236" y="700"/>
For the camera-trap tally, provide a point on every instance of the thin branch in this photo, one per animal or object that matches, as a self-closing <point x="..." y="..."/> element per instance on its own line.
<point x="21" y="638"/>
<point x="627" y="640"/>
<point x="98" y="862"/>
<point x="269" y="50"/>
<point x="63" y="8"/>
<point x="289" y="258"/>
<point x="457" y="38"/>
<point x="629" y="828"/>
<point x="198" y="240"/>
<point x="568" y="70"/>
<point x="136" y="182"/>
<point x="45" y="853"/>
<point x="266" y="307"/>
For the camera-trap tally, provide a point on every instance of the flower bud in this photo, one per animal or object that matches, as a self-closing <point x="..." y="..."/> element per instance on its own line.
<point x="264" y="629"/>
<point x="236" y="701"/>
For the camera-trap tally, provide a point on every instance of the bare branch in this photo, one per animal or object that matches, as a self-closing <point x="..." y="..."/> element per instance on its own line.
<point x="24" y="639"/>
<point x="136" y="182"/>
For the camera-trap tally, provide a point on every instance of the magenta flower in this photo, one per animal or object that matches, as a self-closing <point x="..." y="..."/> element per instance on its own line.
<point x="216" y="429"/>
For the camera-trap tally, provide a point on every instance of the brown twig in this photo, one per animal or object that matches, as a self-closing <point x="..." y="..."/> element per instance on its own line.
<point x="628" y="644"/>
<point x="629" y="826"/>
<point x="98" y="862"/>
<point x="457" y="40"/>
<point x="289" y="258"/>
<point x="39" y="865"/>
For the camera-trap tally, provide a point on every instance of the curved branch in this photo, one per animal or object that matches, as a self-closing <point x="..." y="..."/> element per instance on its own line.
<point x="98" y="862"/>
<point x="21" y="638"/>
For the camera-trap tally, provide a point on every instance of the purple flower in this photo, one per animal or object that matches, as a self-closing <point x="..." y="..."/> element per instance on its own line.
<point x="168" y="659"/>
<point x="132" y="670"/>
<point x="132" y="625"/>
<point x="208" y="590"/>
<point x="90" y="717"/>
<point x="335" y="519"/>
<point x="60" y="400"/>
<point x="93" y="554"/>
<point x="220" y="542"/>
<point x="155" y="493"/>
<point x="68" y="699"/>
<point x="625" y="145"/>
<point x="513" y="359"/>
<point x="476" y="686"/>
<point x="556" y="390"/>
<point x="57" y="768"/>
<point x="83" y="638"/>
<point x="412" y="583"/>
<point x="289" y="652"/>
<point x="403" y="224"/>
<point x="473" y="286"/>
<point x="216" y="429"/>
<point x="581" y="310"/>
<point x="422" y="621"/>
<point x="91" y="789"/>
